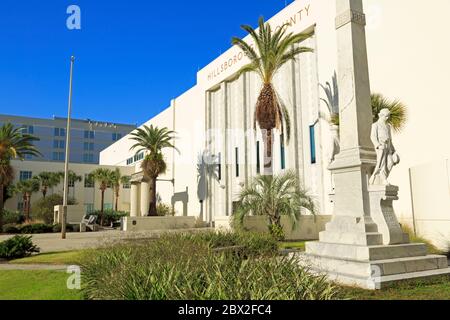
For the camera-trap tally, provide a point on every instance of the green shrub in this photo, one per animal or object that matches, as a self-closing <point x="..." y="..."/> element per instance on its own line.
<point x="11" y="228"/>
<point x="17" y="247"/>
<point x="174" y="267"/>
<point x="109" y="216"/>
<point x="36" y="228"/>
<point x="276" y="231"/>
<point x="11" y="217"/>
<point x="43" y="209"/>
<point x="164" y="210"/>
<point x="57" y="228"/>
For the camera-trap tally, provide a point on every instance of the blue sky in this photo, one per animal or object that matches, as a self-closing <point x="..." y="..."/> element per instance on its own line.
<point x="132" y="56"/>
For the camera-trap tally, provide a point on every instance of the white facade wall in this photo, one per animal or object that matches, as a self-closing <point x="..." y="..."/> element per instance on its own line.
<point x="408" y="60"/>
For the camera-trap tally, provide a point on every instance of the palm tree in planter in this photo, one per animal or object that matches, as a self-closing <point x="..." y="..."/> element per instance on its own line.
<point x="48" y="180"/>
<point x="26" y="188"/>
<point x="117" y="181"/>
<point x="14" y="144"/>
<point x="273" y="50"/>
<point x="274" y="197"/>
<point x="104" y="177"/>
<point x="153" y="140"/>
<point x="73" y="179"/>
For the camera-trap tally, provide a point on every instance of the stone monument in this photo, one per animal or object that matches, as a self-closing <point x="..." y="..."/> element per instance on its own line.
<point x="364" y="244"/>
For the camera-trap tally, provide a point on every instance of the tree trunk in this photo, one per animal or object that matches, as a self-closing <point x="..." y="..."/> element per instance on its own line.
<point x="44" y="192"/>
<point x="152" y="209"/>
<point x="117" y="201"/>
<point x="26" y="212"/>
<point x="1" y="206"/>
<point x="101" y="207"/>
<point x="268" y="156"/>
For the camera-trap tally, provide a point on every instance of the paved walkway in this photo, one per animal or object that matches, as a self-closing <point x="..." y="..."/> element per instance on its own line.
<point x="51" y="267"/>
<point x="52" y="242"/>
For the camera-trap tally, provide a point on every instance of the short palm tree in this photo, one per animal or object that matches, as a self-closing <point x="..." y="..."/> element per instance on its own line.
<point x="48" y="180"/>
<point x="14" y="144"/>
<point x="117" y="180"/>
<point x="273" y="50"/>
<point x="153" y="140"/>
<point x="273" y="197"/>
<point x="26" y="188"/>
<point x="398" y="109"/>
<point x="104" y="177"/>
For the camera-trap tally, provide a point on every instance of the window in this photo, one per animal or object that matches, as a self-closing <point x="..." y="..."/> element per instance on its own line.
<point x="89" y="134"/>
<point x="19" y="206"/>
<point x="58" y="156"/>
<point x="25" y="175"/>
<point x="139" y="156"/>
<point x="71" y="183"/>
<point x="107" y="206"/>
<point x="129" y="161"/>
<point x="88" y="181"/>
<point x="88" y="146"/>
<point x="312" y="143"/>
<point x="59" y="144"/>
<point x="258" y="160"/>
<point x="88" y="158"/>
<point x="60" y="132"/>
<point x="28" y="157"/>
<point x="27" y="129"/>
<point x="127" y="185"/>
<point x="89" y="207"/>
<point x="282" y="153"/>
<point x="219" y="166"/>
<point x="237" y="161"/>
<point x="116" y="136"/>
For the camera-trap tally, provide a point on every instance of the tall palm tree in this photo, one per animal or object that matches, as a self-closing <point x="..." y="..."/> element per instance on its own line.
<point x="14" y="144"/>
<point x="73" y="179"/>
<point x="48" y="180"/>
<point x="332" y="101"/>
<point x="118" y="180"/>
<point x="153" y="140"/>
<point x="273" y="50"/>
<point x="104" y="177"/>
<point x="274" y="196"/>
<point x="26" y="188"/>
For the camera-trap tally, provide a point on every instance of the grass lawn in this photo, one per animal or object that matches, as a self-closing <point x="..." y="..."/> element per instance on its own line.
<point x="300" y="245"/>
<point x="68" y="257"/>
<point x="436" y="289"/>
<point x="36" y="285"/>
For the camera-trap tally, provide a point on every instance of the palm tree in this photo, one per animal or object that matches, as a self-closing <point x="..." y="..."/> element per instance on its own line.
<point x="398" y="116"/>
<point x="153" y="140"/>
<point x="116" y="182"/>
<point x="332" y="101"/>
<point x="104" y="177"/>
<point x="273" y="50"/>
<point x="26" y="188"/>
<point x="48" y="180"/>
<point x="274" y="196"/>
<point x="14" y="144"/>
<point x="73" y="179"/>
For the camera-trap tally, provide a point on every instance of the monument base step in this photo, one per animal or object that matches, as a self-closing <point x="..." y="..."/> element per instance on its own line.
<point x="384" y="281"/>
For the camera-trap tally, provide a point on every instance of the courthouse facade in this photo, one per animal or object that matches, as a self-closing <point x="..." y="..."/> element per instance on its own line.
<point x="215" y="117"/>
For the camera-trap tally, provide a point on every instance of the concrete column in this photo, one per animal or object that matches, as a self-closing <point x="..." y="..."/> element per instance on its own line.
<point x="134" y="207"/>
<point x="354" y="164"/>
<point x="145" y="198"/>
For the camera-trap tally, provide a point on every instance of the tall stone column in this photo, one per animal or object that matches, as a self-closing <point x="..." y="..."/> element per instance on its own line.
<point x="134" y="206"/>
<point x="351" y="248"/>
<point x="145" y="198"/>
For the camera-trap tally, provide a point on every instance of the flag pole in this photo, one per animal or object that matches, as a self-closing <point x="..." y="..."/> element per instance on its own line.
<point x="66" y="160"/>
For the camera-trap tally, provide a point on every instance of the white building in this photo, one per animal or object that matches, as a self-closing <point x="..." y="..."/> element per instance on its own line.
<point x="408" y="60"/>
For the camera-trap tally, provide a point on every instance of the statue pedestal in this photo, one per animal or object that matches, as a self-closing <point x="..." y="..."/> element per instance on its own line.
<point x="371" y="251"/>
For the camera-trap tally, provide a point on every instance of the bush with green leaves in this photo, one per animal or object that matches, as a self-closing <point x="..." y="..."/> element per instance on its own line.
<point x="11" y="228"/>
<point x="43" y="209"/>
<point x="33" y="228"/>
<point x="164" y="210"/>
<point x="176" y="268"/>
<point x="17" y="247"/>
<point x="109" y="216"/>
<point x="10" y="217"/>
